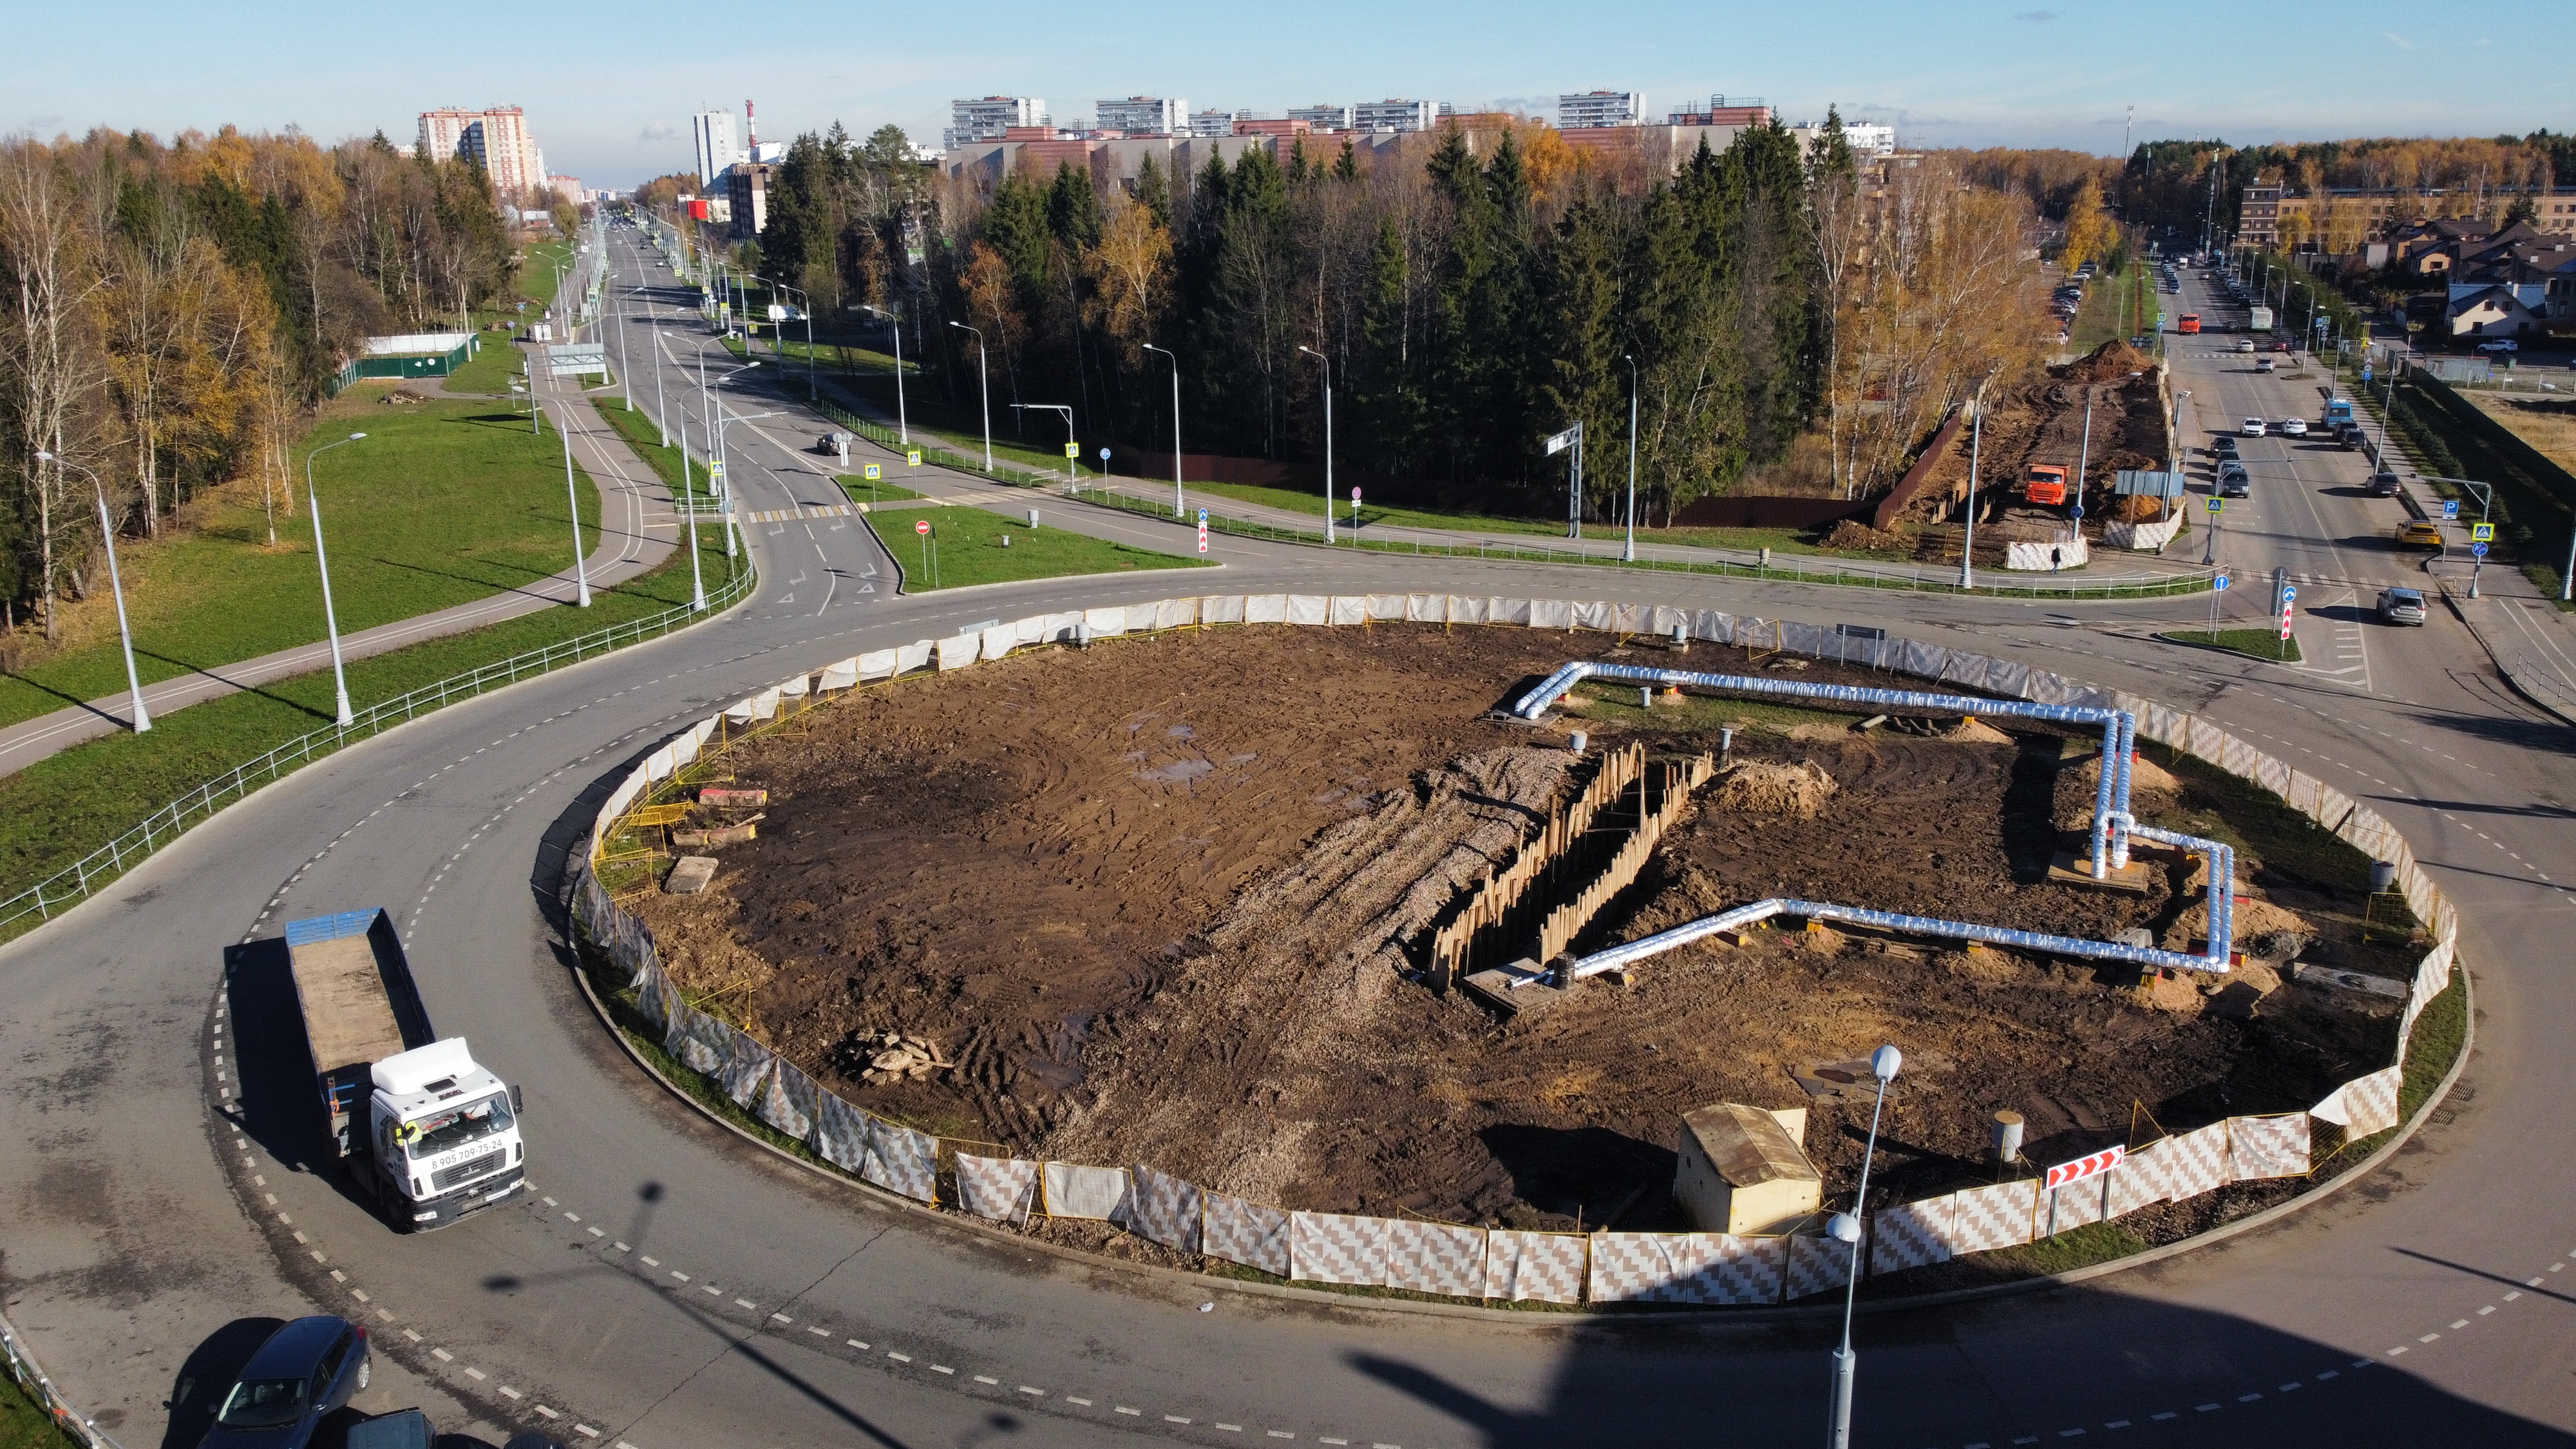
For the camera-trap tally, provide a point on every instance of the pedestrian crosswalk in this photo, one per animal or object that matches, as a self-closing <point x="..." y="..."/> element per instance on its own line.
<point x="845" y="510"/>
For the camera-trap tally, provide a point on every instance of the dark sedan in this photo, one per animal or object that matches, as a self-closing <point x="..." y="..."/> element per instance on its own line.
<point x="305" y="1372"/>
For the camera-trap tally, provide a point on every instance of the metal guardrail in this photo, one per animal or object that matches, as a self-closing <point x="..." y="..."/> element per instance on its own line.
<point x="91" y="873"/>
<point x="31" y="1377"/>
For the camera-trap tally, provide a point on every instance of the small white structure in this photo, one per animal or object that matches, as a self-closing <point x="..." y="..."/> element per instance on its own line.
<point x="1742" y="1170"/>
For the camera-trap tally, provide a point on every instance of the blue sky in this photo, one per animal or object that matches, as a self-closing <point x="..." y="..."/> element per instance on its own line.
<point x="609" y="91"/>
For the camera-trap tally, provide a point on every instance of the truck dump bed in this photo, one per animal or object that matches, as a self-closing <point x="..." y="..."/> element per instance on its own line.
<point x="359" y="1006"/>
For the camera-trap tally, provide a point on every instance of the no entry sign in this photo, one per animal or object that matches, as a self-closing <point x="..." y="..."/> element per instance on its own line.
<point x="2084" y="1167"/>
<point x="921" y="525"/>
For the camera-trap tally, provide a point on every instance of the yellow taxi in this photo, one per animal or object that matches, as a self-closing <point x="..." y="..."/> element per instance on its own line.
<point x="2419" y="534"/>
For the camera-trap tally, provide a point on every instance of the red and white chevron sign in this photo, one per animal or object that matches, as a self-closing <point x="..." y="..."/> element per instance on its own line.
<point x="2084" y="1167"/>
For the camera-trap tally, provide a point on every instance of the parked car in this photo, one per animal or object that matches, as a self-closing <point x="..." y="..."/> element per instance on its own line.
<point x="2401" y="606"/>
<point x="2254" y="427"/>
<point x="2225" y="447"/>
<point x="2349" y="434"/>
<point x="2294" y="427"/>
<point x="2234" y="481"/>
<point x="2500" y="345"/>
<point x="305" y="1372"/>
<point x="2383" y="484"/>
<point x="2421" y="533"/>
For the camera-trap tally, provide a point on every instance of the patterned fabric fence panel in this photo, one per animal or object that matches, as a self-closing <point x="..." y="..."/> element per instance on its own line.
<point x="1221" y="609"/>
<point x="1550" y="614"/>
<point x="2197" y="1161"/>
<point x="687" y="1038"/>
<point x="1347" y="610"/>
<point x="1594" y="615"/>
<point x="1426" y="608"/>
<point x="1086" y="1192"/>
<point x="1435" y="1258"/>
<point x="747" y="1068"/>
<point x="1248" y="1233"/>
<point x="1000" y="1188"/>
<point x="841" y="1133"/>
<point x="1708" y="1268"/>
<point x="2266" y="1147"/>
<point x="1534" y="1267"/>
<point x="2363" y="1105"/>
<point x="1986" y="1218"/>
<point x="1817" y="1265"/>
<point x="652" y="998"/>
<point x="1309" y="609"/>
<point x="1507" y="611"/>
<point x="1175" y="613"/>
<point x="788" y="1103"/>
<point x="902" y="1160"/>
<point x="1387" y="608"/>
<point x="1165" y="1210"/>
<point x="1337" y="1248"/>
<point x="2142" y="1180"/>
<point x="1265" y="609"/>
<point x="2073" y="1206"/>
<point x="1916" y="1235"/>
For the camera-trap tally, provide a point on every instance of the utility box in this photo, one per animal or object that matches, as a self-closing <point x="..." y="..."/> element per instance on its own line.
<point x="1742" y="1170"/>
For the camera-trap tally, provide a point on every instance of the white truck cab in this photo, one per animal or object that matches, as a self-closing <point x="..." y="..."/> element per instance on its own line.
<point x="444" y="1133"/>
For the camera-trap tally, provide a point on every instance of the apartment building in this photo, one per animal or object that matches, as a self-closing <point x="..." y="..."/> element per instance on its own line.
<point x="711" y="134"/>
<point x="1589" y="109"/>
<point x="495" y="138"/>
<point x="988" y="118"/>
<point x="1394" y="115"/>
<point x="2342" y="220"/>
<point x="1322" y="117"/>
<point x="1142" y="115"/>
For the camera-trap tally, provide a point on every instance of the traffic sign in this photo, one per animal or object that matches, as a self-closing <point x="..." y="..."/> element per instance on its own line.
<point x="2220" y="582"/>
<point x="2477" y="550"/>
<point x="2216" y="504"/>
<point x="874" y="472"/>
<point x="913" y="457"/>
<point x="2289" y="592"/>
<point x="921" y="525"/>
<point x="2451" y="508"/>
<point x="2081" y="1168"/>
<point x="2482" y="532"/>
<point x="1202" y="517"/>
<point x="1104" y="455"/>
<point x="1073" y="450"/>
<point x="715" y="467"/>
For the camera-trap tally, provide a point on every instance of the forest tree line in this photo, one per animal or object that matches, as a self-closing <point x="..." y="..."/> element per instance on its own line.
<point x="1785" y="318"/>
<point x="168" y="310"/>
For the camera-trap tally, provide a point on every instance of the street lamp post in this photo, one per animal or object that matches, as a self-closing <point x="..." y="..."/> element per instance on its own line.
<point x="1976" y="444"/>
<point x="1630" y="555"/>
<point x="655" y="342"/>
<point x="722" y="466"/>
<point x="572" y="501"/>
<point x="1177" y="505"/>
<point x="894" y="324"/>
<point x="1328" y="437"/>
<point x="116" y="585"/>
<point x="984" y="378"/>
<point x="625" y="379"/>
<point x="689" y="506"/>
<point x="804" y="304"/>
<point x="330" y="618"/>
<point x="1846" y="1228"/>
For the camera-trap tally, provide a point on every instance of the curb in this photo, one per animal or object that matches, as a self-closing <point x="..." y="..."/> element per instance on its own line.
<point x="2459" y="610"/>
<point x="1578" y="1317"/>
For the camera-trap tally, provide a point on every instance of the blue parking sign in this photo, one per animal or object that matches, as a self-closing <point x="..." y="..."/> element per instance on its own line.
<point x="2451" y="509"/>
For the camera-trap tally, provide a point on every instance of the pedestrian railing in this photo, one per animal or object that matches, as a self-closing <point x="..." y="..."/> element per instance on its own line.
<point x="94" y="871"/>
<point x="49" y="1400"/>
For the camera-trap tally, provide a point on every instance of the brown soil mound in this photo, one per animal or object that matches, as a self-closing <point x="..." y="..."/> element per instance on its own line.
<point x="2110" y="362"/>
<point x="1861" y="538"/>
<point x="1166" y="901"/>
<point x="1761" y="788"/>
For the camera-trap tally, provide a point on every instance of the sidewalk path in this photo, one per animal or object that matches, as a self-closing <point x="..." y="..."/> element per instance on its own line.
<point x="638" y="529"/>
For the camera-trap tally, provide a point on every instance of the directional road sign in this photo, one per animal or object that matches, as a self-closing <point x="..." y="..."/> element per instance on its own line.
<point x="2081" y="1168"/>
<point x="2220" y="582"/>
<point x="1104" y="455"/>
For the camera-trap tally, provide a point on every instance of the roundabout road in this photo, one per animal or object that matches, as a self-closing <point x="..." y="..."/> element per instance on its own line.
<point x="142" y="1227"/>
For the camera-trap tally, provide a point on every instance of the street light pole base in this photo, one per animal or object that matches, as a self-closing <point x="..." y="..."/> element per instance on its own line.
<point x="1838" y="1433"/>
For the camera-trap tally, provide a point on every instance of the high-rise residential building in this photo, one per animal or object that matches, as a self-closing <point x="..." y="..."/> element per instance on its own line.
<point x="1143" y="115"/>
<point x="1322" y="117"/>
<point x="1212" y="123"/>
<point x="1745" y="112"/>
<point x="713" y="133"/>
<point x="1393" y="115"/>
<point x="987" y="118"/>
<point x="495" y="138"/>
<point x="1600" y="108"/>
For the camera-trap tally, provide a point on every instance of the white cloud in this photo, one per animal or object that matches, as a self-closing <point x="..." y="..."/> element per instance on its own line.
<point x="658" y="131"/>
<point x="2395" y="39"/>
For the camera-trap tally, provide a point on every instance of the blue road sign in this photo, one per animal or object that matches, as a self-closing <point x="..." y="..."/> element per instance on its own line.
<point x="2477" y="550"/>
<point x="1202" y="515"/>
<point x="2365" y="374"/>
<point x="2451" y="508"/>
<point x="2219" y="582"/>
<point x="2215" y="505"/>
<point x="2289" y="592"/>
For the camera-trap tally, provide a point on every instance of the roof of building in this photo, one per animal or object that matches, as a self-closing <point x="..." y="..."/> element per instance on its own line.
<point x="1747" y="1145"/>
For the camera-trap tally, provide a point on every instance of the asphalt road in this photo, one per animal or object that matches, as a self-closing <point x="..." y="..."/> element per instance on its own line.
<point x="138" y="1233"/>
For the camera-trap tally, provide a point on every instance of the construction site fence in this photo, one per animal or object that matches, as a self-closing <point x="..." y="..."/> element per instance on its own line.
<point x="1467" y="1262"/>
<point x="39" y="1386"/>
<point x="91" y="873"/>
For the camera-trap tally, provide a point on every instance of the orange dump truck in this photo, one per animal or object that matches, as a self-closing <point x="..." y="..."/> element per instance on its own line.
<point x="2045" y="484"/>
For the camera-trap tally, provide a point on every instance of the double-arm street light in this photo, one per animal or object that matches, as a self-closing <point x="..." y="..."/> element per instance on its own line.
<point x="689" y="508"/>
<point x="116" y="585"/>
<point x="1177" y="504"/>
<point x="330" y="618"/>
<point x="1328" y="439"/>
<point x="804" y="304"/>
<point x="984" y="376"/>
<point x="894" y="324"/>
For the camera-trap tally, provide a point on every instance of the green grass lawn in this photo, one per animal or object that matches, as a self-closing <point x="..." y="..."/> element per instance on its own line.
<point x="2264" y="644"/>
<point x="2113" y="307"/>
<point x="862" y="490"/>
<point x="968" y="549"/>
<point x="490" y="369"/>
<point x="66" y="805"/>
<point x="646" y="440"/>
<point x="25" y="1426"/>
<point x="536" y="279"/>
<point x="1311" y="504"/>
<point x="442" y="503"/>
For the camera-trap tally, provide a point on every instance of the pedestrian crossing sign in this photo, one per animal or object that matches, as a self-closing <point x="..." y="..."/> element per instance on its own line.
<point x="2216" y="504"/>
<point x="874" y="472"/>
<point x="2481" y="532"/>
<point x="913" y="457"/>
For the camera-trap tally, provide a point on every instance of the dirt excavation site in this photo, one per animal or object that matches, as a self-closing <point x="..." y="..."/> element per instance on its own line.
<point x="1175" y="900"/>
